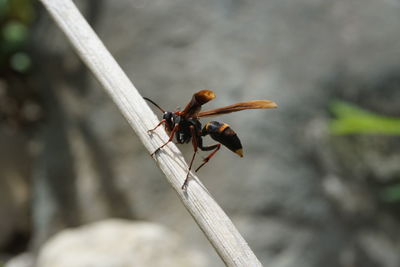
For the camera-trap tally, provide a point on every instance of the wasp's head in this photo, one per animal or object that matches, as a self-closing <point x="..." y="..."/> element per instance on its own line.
<point x="170" y="119"/>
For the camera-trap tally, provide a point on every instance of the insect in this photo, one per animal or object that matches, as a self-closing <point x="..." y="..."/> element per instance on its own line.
<point x="185" y="126"/>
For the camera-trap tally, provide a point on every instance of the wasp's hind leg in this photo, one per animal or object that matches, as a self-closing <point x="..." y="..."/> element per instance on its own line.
<point x="216" y="147"/>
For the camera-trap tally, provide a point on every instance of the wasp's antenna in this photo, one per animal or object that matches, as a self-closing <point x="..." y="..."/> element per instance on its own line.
<point x="151" y="101"/>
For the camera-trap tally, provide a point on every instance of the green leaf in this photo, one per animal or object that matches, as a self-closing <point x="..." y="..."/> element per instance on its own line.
<point x="351" y="119"/>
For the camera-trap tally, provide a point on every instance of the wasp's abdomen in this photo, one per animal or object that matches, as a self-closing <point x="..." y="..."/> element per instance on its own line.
<point x="222" y="132"/>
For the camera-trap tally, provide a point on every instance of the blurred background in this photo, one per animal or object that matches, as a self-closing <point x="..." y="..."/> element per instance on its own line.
<point x="320" y="181"/>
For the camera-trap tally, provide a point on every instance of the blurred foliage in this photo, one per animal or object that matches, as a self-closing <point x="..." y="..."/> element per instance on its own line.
<point x="391" y="193"/>
<point x="16" y="16"/>
<point x="351" y="119"/>
<point x="20" y="105"/>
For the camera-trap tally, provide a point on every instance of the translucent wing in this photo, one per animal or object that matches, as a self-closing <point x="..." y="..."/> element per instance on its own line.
<point x="254" y="104"/>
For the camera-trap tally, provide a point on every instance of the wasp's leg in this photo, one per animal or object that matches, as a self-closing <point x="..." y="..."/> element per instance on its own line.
<point x="174" y="130"/>
<point x="208" y="148"/>
<point x="158" y="125"/>
<point x="195" y="146"/>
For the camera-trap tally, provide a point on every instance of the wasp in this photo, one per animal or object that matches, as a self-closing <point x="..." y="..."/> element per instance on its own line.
<point x="185" y="126"/>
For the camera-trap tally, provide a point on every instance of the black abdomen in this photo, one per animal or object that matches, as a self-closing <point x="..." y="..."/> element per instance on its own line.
<point x="222" y="132"/>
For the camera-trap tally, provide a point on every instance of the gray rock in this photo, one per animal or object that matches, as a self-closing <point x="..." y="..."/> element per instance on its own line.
<point x="116" y="243"/>
<point x="22" y="260"/>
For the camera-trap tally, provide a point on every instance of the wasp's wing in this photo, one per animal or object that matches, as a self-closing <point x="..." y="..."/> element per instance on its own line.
<point x="194" y="106"/>
<point x="255" y="104"/>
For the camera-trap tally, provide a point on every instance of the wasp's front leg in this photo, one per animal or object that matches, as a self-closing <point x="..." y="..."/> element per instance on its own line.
<point x="158" y="125"/>
<point x="171" y="137"/>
